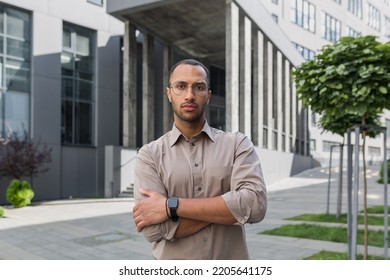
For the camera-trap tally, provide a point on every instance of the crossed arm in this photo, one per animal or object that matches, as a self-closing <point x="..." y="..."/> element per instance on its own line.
<point x="195" y="213"/>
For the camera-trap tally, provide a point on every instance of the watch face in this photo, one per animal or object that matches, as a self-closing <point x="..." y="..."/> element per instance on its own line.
<point x="172" y="202"/>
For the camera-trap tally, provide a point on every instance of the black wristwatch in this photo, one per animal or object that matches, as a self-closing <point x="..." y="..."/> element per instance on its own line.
<point x="173" y="203"/>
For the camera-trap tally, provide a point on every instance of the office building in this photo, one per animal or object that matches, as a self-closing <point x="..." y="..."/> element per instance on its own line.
<point x="60" y="82"/>
<point x="311" y="24"/>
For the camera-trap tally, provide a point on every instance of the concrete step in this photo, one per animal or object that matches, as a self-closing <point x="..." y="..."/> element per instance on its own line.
<point x="128" y="192"/>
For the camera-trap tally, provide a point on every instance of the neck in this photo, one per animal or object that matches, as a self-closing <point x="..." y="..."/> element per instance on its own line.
<point x="189" y="129"/>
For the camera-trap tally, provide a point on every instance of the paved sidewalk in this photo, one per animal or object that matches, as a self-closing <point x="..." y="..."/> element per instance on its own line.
<point x="103" y="228"/>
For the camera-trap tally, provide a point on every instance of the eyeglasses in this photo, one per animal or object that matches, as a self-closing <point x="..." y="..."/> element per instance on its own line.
<point x="180" y="88"/>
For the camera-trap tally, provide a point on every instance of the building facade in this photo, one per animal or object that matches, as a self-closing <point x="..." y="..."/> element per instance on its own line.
<point x="88" y="78"/>
<point x="311" y="24"/>
<point x="60" y="82"/>
<point x="250" y="61"/>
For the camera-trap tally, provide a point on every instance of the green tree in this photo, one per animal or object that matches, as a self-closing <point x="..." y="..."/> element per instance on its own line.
<point x="348" y="83"/>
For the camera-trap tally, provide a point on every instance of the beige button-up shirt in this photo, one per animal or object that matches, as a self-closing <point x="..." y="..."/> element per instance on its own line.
<point x="210" y="164"/>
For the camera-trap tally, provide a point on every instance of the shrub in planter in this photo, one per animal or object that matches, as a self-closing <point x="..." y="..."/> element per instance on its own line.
<point x="19" y="193"/>
<point x="1" y="212"/>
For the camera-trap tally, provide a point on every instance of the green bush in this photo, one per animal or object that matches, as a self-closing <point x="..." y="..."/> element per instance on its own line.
<point x="1" y="212"/>
<point x="19" y="193"/>
<point x="381" y="173"/>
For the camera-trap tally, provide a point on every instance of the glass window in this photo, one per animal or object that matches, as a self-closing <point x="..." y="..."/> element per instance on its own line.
<point x="15" y="71"/>
<point x="17" y="23"/>
<point x="313" y="145"/>
<point x="305" y="52"/>
<point x="17" y="75"/>
<point x="78" y="96"/>
<point x="356" y="7"/>
<point x="326" y="146"/>
<point x="217" y="117"/>
<point x="265" y="137"/>
<point x="387" y="27"/>
<point x="374" y="151"/>
<point x="17" y="111"/>
<point x="351" y="32"/>
<point x="66" y="41"/>
<point x="331" y="28"/>
<point x="388" y="129"/>
<point x="303" y="14"/>
<point x="374" y="17"/>
<point x="217" y="81"/>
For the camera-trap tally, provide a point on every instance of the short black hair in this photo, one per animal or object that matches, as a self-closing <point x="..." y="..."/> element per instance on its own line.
<point x="194" y="62"/>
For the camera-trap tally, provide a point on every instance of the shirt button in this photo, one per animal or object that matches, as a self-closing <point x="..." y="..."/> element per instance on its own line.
<point x="199" y="189"/>
<point x="192" y="144"/>
<point x="196" y="165"/>
<point x="205" y="239"/>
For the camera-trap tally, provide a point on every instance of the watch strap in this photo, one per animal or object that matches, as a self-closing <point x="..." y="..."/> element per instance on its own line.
<point x="173" y="204"/>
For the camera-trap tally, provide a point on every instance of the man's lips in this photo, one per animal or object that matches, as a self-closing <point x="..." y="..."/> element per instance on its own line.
<point x="189" y="106"/>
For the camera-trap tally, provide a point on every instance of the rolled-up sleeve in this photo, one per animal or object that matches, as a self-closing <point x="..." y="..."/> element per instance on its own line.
<point x="146" y="177"/>
<point x="247" y="199"/>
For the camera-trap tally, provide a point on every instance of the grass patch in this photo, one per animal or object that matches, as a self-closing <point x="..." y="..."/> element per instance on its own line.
<point x="331" y="218"/>
<point x="380" y="209"/>
<point x="334" y="234"/>
<point x="327" y="255"/>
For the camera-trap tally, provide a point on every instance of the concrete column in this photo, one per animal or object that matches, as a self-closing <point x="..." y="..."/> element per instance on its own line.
<point x="112" y="167"/>
<point x="287" y="104"/>
<point x="167" y="108"/>
<point x="129" y="86"/>
<point x="248" y="79"/>
<point x="258" y="89"/>
<point x="232" y="69"/>
<point x="147" y="89"/>
<point x="294" y="115"/>
<point x="305" y="131"/>
<point x="279" y="60"/>
<point x="245" y="124"/>
<point x="269" y="93"/>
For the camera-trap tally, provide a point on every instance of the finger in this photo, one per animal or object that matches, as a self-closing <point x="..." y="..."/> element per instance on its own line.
<point x="140" y="226"/>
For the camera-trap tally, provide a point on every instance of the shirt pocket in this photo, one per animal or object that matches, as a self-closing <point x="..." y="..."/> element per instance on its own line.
<point x="217" y="180"/>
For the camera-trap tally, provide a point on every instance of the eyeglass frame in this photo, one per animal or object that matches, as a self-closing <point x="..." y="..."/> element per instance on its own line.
<point x="171" y="86"/>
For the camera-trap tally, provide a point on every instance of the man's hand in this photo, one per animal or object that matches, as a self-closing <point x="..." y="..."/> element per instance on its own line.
<point x="151" y="210"/>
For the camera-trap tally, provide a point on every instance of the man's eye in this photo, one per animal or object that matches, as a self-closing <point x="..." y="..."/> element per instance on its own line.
<point x="181" y="87"/>
<point x="200" y="87"/>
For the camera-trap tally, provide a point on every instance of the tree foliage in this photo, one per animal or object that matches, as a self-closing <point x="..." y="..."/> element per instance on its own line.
<point x="348" y="83"/>
<point x="22" y="157"/>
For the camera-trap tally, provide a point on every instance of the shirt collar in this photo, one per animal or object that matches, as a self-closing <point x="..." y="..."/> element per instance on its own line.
<point x="175" y="133"/>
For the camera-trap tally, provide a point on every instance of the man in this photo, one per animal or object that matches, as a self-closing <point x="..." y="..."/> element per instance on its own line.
<point x="196" y="186"/>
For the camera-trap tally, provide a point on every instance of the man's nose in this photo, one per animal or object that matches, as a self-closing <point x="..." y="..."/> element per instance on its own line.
<point x="190" y="92"/>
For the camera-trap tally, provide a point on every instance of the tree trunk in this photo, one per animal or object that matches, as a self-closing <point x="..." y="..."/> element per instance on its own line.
<point x="364" y="133"/>
<point x="340" y="190"/>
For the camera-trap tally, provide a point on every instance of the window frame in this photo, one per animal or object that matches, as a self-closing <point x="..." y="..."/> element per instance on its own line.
<point x="15" y="59"/>
<point x="75" y="98"/>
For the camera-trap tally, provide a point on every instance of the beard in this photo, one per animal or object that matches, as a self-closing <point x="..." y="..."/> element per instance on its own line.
<point x="191" y="117"/>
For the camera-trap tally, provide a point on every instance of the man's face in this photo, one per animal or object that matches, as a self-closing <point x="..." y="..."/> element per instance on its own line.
<point x="189" y="93"/>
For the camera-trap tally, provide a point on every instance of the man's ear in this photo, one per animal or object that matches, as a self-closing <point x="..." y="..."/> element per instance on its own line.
<point x="208" y="100"/>
<point x="168" y="93"/>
